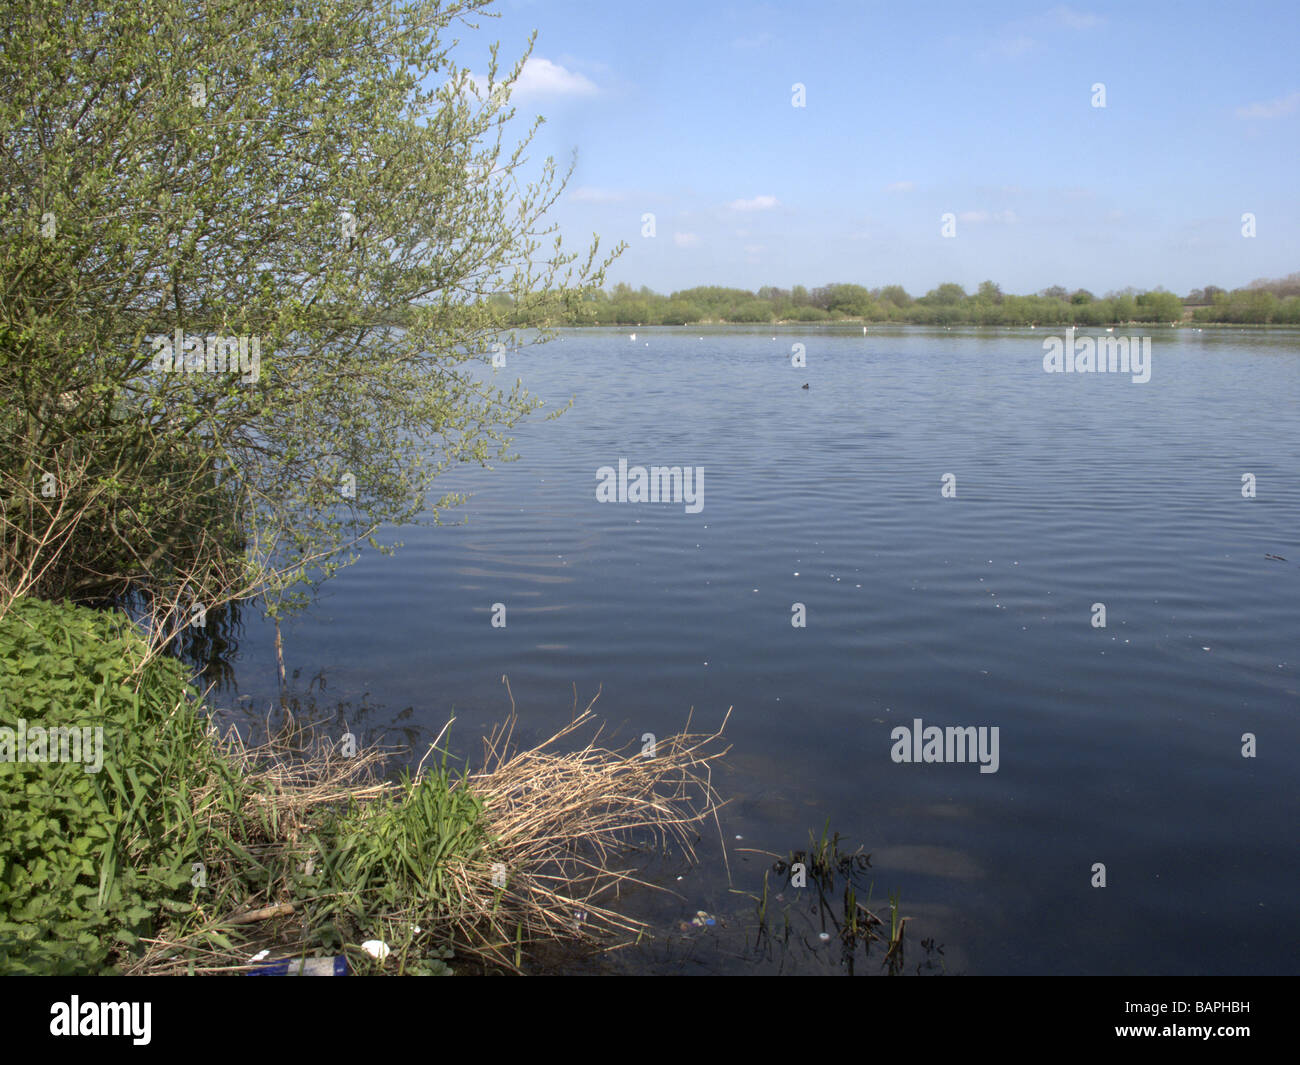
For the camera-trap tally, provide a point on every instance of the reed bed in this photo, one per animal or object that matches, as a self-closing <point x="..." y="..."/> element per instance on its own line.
<point x="315" y="852"/>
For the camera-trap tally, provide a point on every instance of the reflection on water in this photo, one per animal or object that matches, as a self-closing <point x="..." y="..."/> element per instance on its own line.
<point x="1119" y="745"/>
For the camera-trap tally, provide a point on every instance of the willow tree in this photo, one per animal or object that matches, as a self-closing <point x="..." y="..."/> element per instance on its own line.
<point x="253" y="255"/>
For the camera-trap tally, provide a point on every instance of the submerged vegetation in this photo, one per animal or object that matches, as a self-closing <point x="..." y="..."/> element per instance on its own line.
<point x="820" y="899"/>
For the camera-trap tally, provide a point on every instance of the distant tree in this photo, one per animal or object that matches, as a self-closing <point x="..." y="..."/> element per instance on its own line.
<point x="945" y="295"/>
<point x="894" y="294"/>
<point x="808" y="314"/>
<point x="1288" y="312"/>
<point x="680" y="312"/>
<point x="1056" y="292"/>
<point x="753" y="311"/>
<point x="990" y="292"/>
<point x="1159" y="306"/>
<point x="820" y="297"/>
<point x="1080" y="296"/>
<point x="852" y="300"/>
<point x="1123" y="307"/>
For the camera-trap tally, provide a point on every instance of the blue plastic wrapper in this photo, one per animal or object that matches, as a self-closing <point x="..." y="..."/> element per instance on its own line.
<point x="335" y="966"/>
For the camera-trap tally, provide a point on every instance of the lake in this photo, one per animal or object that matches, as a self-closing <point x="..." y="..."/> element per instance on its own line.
<point x="1120" y="745"/>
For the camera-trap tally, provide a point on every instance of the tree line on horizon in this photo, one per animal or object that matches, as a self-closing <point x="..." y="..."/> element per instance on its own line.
<point x="1262" y="302"/>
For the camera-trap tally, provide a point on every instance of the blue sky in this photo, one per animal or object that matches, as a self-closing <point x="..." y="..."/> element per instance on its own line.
<point x="684" y="110"/>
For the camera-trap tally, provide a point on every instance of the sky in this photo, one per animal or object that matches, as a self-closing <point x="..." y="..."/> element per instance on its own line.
<point x="913" y="111"/>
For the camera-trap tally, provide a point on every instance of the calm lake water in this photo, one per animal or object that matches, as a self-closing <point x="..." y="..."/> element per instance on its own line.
<point x="1119" y="745"/>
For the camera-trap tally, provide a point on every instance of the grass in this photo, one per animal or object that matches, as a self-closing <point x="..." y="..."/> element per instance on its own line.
<point x="191" y="851"/>
<point x="480" y="862"/>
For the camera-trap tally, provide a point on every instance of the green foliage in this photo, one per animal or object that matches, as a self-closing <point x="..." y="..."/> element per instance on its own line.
<point x="1255" y="305"/>
<point x="1159" y="306"/>
<point x="809" y="314"/>
<point x="399" y="853"/>
<point x="894" y="294"/>
<point x="946" y="295"/>
<point x="91" y="863"/>
<point x="946" y="305"/>
<point x="853" y="301"/>
<point x="254" y="169"/>
<point x="88" y="861"/>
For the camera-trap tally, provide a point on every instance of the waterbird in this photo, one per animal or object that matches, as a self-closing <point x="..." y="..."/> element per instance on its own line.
<point x="805" y="384"/>
<point x="632" y="336"/>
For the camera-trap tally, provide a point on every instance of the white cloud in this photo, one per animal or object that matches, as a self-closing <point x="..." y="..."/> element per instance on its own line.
<point x="758" y="203"/>
<point x="685" y="240"/>
<point x="901" y="186"/>
<point x="541" y="77"/>
<point x="591" y="194"/>
<point x="1283" y="105"/>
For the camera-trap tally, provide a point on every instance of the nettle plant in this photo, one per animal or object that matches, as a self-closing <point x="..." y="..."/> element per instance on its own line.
<point x="92" y="862"/>
<point x="186" y="184"/>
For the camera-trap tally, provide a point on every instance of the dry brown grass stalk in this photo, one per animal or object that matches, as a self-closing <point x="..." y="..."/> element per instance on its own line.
<point x="560" y="818"/>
